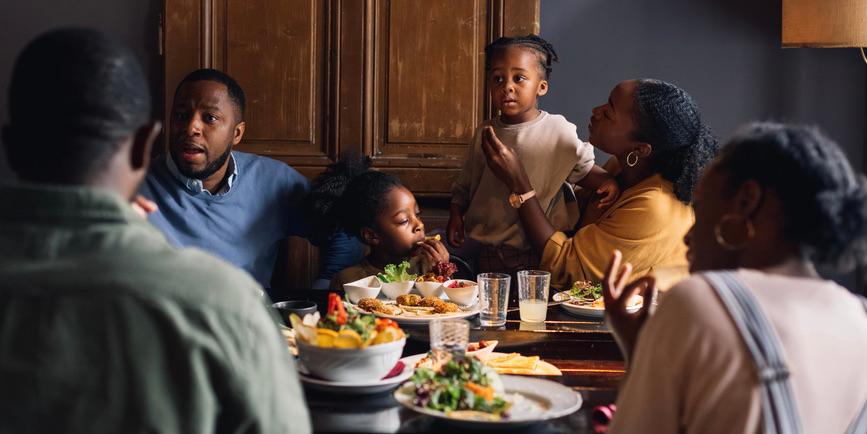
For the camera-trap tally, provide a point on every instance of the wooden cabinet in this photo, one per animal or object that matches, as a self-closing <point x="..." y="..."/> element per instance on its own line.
<point x="401" y="81"/>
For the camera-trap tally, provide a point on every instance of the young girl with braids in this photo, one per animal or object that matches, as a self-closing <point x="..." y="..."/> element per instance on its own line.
<point x="485" y="209"/>
<point x="375" y="207"/>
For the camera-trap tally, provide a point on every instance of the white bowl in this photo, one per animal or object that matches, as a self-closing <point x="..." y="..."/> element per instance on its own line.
<point x="367" y="287"/>
<point x="395" y="289"/>
<point x="465" y="295"/>
<point x="350" y="365"/>
<point x="429" y="289"/>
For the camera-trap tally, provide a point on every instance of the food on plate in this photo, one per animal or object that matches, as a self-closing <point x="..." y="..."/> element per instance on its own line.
<point x="517" y="364"/>
<point x="396" y="273"/>
<point x="409" y="299"/>
<point x="345" y="327"/>
<point x="374" y="305"/>
<point x="458" y="385"/>
<point x="429" y="301"/>
<point x="459" y="284"/>
<point x="440" y="272"/>
<point x="439" y="305"/>
<point x="587" y="293"/>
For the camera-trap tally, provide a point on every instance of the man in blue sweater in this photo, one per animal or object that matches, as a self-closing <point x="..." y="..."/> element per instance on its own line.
<point x="236" y="205"/>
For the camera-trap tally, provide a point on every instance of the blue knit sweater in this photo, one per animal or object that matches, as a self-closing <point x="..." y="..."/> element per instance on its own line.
<point x="245" y="224"/>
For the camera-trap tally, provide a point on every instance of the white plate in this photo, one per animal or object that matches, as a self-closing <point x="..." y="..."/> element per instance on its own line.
<point x="365" y="387"/>
<point x="538" y="400"/>
<point x="466" y="312"/>
<point x="582" y="310"/>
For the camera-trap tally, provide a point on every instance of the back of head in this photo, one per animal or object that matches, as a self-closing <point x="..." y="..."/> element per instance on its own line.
<point x="349" y="195"/>
<point x="824" y="200"/>
<point x="670" y="121"/>
<point x="75" y="95"/>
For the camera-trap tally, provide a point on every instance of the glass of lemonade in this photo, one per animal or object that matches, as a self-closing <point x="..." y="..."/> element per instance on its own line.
<point x="533" y="286"/>
<point x="493" y="298"/>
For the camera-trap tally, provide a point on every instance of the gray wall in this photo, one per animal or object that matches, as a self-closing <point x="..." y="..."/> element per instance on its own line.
<point x="726" y="53"/>
<point x="133" y="21"/>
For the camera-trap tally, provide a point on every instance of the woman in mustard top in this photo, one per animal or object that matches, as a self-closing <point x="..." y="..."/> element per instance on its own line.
<point x="654" y="131"/>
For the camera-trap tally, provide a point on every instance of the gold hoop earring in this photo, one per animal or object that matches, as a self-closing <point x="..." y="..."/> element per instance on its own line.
<point x="634" y="162"/>
<point x="749" y="231"/>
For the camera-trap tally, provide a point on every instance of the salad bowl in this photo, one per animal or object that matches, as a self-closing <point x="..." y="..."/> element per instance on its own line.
<point x="396" y="280"/>
<point x="350" y="364"/>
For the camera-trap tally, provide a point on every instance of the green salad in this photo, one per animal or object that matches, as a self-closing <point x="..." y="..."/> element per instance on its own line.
<point x="586" y="292"/>
<point x="462" y="383"/>
<point x="396" y="273"/>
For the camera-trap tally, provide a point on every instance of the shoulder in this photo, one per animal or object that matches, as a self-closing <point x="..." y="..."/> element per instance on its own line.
<point x="653" y="196"/>
<point x="264" y="165"/>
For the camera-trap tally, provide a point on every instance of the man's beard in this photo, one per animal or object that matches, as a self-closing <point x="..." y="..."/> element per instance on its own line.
<point x="210" y="169"/>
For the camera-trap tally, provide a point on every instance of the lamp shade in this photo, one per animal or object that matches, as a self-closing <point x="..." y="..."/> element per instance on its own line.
<point x="824" y="23"/>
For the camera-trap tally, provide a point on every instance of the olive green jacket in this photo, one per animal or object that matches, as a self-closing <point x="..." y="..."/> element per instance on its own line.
<point x="106" y="328"/>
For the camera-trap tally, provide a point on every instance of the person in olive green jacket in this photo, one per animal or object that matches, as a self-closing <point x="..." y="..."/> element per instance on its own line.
<point x="105" y="327"/>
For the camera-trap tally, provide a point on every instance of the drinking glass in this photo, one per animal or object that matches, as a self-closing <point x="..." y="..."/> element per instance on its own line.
<point x="493" y="298"/>
<point x="533" y="288"/>
<point x="449" y="336"/>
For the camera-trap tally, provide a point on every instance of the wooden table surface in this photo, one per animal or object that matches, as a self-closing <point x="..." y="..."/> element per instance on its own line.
<point x="582" y="348"/>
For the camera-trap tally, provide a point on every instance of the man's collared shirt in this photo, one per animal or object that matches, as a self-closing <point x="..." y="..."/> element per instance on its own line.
<point x="196" y="185"/>
<point x="107" y="328"/>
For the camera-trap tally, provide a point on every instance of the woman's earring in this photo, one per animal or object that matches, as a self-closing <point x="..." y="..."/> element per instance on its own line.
<point x="629" y="161"/>
<point x="749" y="231"/>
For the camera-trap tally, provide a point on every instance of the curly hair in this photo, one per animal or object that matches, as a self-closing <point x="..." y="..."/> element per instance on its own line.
<point x="349" y="195"/>
<point x="669" y="120"/>
<point x="544" y="50"/>
<point x="824" y="200"/>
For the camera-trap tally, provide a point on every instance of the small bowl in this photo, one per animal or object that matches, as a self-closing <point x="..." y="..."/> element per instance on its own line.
<point x="298" y="307"/>
<point x="395" y="289"/>
<point x="350" y="365"/>
<point x="367" y="287"/>
<point x="464" y="296"/>
<point x="429" y="289"/>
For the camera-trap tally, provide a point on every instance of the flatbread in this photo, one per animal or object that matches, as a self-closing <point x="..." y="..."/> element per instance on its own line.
<point x="516" y="364"/>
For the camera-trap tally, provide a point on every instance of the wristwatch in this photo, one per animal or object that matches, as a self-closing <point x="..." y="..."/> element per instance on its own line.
<point x="516" y="200"/>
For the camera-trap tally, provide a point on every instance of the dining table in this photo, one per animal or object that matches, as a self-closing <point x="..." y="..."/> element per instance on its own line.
<point x="582" y="348"/>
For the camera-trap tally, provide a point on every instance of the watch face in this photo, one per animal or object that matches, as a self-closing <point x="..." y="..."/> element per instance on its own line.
<point x="515" y="200"/>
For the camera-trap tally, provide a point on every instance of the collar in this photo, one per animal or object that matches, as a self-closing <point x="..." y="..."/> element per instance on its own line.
<point x="195" y="185"/>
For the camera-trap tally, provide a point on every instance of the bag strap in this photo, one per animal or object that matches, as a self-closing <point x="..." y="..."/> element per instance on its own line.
<point x="779" y="409"/>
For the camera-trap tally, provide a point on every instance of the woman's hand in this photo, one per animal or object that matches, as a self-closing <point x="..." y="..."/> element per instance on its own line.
<point x="433" y="251"/>
<point x="610" y="191"/>
<point x="617" y="294"/>
<point x="504" y="163"/>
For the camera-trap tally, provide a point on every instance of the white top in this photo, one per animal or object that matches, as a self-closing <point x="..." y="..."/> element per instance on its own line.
<point x="551" y="153"/>
<point x="692" y="373"/>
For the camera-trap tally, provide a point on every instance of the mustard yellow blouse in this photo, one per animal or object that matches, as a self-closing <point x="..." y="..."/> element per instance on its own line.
<point x="647" y="224"/>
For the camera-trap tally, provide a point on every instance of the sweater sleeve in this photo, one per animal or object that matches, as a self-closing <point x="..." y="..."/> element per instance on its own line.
<point x="469" y="176"/>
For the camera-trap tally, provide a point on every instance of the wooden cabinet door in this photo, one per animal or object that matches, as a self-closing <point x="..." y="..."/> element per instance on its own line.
<point x="401" y="81"/>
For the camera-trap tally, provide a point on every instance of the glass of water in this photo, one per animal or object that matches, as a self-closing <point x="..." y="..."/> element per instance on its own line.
<point x="533" y="288"/>
<point x="493" y="298"/>
<point x="449" y="336"/>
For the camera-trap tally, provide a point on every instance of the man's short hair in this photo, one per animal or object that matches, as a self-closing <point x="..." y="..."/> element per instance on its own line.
<point x="74" y="97"/>
<point x="236" y="93"/>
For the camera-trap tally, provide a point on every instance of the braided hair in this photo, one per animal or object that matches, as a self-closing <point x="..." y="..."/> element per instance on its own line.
<point x="349" y="195"/>
<point x="824" y="200"/>
<point x="544" y="50"/>
<point x="669" y="120"/>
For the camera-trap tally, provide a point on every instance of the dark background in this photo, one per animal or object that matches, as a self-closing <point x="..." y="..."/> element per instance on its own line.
<point x="726" y="53"/>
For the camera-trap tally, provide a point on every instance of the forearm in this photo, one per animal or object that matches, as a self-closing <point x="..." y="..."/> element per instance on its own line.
<point x="536" y="225"/>
<point x="595" y="178"/>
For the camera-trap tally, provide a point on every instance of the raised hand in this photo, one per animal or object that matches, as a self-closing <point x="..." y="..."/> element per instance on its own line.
<point x="616" y="293"/>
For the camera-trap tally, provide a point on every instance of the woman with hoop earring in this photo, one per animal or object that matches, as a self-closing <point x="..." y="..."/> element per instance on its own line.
<point x="659" y="145"/>
<point x="755" y="340"/>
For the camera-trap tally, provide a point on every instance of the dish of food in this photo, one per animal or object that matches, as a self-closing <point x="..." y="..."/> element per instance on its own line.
<point x="503" y="363"/>
<point x="396" y="273"/>
<point x="415" y="309"/>
<point x="585" y="299"/>
<point x="440" y="272"/>
<point x="465" y="392"/>
<point x="365" y="386"/>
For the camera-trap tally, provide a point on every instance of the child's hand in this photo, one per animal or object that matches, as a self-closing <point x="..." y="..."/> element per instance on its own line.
<point x="610" y="191"/>
<point x="433" y="251"/>
<point x="455" y="229"/>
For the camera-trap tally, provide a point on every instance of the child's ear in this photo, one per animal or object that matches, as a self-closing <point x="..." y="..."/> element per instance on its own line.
<point x="543" y="88"/>
<point x="369" y="236"/>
